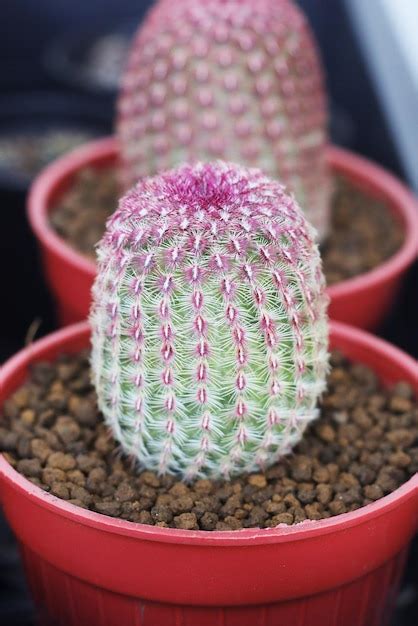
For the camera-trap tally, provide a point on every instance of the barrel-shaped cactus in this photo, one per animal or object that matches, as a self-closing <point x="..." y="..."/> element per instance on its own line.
<point x="232" y="79"/>
<point x="209" y="322"/>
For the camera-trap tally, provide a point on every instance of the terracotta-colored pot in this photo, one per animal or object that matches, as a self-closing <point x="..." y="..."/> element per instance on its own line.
<point x="85" y="568"/>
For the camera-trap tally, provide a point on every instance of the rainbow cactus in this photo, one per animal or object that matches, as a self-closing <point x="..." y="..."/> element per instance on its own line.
<point x="209" y="322"/>
<point x="231" y="79"/>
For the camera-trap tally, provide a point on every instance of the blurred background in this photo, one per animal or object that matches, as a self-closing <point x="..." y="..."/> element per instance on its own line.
<point x="59" y="67"/>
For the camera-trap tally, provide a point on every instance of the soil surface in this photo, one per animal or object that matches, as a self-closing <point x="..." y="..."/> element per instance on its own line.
<point x="364" y="233"/>
<point x="363" y="446"/>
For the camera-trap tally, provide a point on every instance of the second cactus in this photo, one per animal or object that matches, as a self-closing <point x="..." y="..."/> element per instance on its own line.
<point x="231" y="79"/>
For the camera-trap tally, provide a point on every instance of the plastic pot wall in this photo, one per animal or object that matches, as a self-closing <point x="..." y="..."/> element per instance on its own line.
<point x="85" y="568"/>
<point x="362" y="301"/>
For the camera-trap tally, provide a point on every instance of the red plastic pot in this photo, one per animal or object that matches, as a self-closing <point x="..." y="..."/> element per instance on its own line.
<point x="85" y="568"/>
<point x="362" y="301"/>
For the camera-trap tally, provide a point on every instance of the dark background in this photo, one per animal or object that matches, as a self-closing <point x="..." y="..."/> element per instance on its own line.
<point x="27" y="28"/>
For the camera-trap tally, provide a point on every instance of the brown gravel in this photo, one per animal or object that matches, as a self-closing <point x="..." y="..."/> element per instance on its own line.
<point x="364" y="446"/>
<point x="82" y="212"/>
<point x="363" y="232"/>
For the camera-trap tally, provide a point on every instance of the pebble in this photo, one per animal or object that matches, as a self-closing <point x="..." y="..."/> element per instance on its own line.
<point x="108" y="508"/>
<point x="67" y="429"/>
<point x="125" y="492"/>
<point x="209" y="520"/>
<point x="40" y="449"/>
<point x="30" y="467"/>
<point x="373" y="492"/>
<point x="257" y="480"/>
<point x="162" y="513"/>
<point x="186" y="521"/>
<point x="61" y="461"/>
<point x="283" y="518"/>
<point x="60" y="490"/>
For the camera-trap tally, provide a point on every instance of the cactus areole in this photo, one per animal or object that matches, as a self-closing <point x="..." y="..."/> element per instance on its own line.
<point x="231" y="79"/>
<point x="209" y="322"/>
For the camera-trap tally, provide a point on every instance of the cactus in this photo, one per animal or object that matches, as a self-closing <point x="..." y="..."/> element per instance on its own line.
<point x="209" y="321"/>
<point x="238" y="80"/>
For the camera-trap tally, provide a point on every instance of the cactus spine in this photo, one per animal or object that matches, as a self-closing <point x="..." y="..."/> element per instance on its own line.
<point x="232" y="79"/>
<point x="209" y="322"/>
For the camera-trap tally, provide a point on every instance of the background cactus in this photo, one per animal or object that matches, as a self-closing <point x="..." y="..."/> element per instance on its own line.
<point x="209" y="321"/>
<point x="231" y="79"/>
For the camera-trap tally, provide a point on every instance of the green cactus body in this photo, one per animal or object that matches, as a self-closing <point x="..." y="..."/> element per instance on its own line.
<point x="230" y="79"/>
<point x="209" y="322"/>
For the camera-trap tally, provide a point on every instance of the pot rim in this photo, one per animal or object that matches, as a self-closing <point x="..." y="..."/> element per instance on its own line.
<point x="279" y="534"/>
<point x="362" y="171"/>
